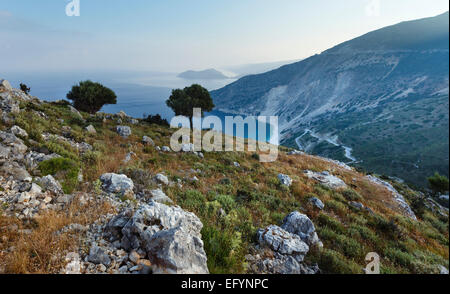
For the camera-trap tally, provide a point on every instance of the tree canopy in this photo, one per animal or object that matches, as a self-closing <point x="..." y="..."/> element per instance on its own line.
<point x="91" y="97"/>
<point x="183" y="101"/>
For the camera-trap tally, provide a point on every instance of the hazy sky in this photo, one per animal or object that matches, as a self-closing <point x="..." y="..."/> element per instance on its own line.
<point x="175" y="35"/>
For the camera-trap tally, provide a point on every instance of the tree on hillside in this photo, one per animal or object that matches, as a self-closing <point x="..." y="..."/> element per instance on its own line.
<point x="90" y="97"/>
<point x="24" y="88"/>
<point x="183" y="101"/>
<point x="438" y="183"/>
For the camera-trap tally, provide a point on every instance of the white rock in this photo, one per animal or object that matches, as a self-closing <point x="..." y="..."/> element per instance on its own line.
<point x="159" y="196"/>
<point x="300" y="224"/>
<point x="162" y="179"/>
<point x="5" y="85"/>
<point x="285" y="180"/>
<point x="90" y="129"/>
<point x="18" y="131"/>
<point x="123" y="131"/>
<point x="148" y="141"/>
<point x="326" y="179"/>
<point x="282" y="241"/>
<point x="115" y="183"/>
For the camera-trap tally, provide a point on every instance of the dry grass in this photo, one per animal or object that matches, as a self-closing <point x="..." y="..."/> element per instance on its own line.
<point x="34" y="245"/>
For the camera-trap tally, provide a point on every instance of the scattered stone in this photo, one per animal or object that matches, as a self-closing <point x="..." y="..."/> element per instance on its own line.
<point x="18" y="131"/>
<point x="295" y="152"/>
<point x="326" y="179"/>
<point x="90" y="129"/>
<point x="123" y="131"/>
<point x="166" y="149"/>
<point x="356" y="205"/>
<point x="282" y="241"/>
<point x="75" y="111"/>
<point x="236" y="164"/>
<point x="129" y="156"/>
<point x="115" y="183"/>
<point x="73" y="266"/>
<point x="98" y="256"/>
<point x="148" y="141"/>
<point x="134" y="257"/>
<point x="187" y="147"/>
<point x="300" y="224"/>
<point x="285" y="180"/>
<point x="317" y="203"/>
<point x="50" y="184"/>
<point x="160" y="178"/>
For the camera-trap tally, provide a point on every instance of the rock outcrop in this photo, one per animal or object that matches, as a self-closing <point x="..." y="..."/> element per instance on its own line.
<point x="398" y="198"/>
<point x="169" y="236"/>
<point x="326" y="179"/>
<point x="118" y="184"/>
<point x="281" y="250"/>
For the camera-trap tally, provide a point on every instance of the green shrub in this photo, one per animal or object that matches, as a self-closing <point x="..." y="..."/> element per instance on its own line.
<point x="65" y="170"/>
<point x="332" y="262"/>
<point x="363" y="233"/>
<point x="224" y="250"/>
<point x="351" y="195"/>
<point x="438" y="183"/>
<point x="399" y="257"/>
<point x="192" y="200"/>
<point x="327" y="221"/>
<point x="335" y="206"/>
<point x="226" y="201"/>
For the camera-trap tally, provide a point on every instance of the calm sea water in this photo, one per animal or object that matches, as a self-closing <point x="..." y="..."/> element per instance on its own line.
<point x="138" y="94"/>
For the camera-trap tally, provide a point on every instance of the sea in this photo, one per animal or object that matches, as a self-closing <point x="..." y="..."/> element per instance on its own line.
<point x="139" y="94"/>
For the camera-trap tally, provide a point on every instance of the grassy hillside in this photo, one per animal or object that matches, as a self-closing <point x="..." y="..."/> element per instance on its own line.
<point x="250" y="195"/>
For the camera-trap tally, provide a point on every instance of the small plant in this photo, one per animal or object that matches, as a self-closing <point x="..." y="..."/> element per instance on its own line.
<point x="438" y="183"/>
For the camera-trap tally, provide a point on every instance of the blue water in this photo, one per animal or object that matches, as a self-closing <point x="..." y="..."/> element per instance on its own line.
<point x="137" y="100"/>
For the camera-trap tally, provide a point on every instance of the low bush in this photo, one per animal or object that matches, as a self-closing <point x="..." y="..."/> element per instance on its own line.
<point x="65" y="170"/>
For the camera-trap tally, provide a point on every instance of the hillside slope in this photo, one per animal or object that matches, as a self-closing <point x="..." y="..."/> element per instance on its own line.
<point x="80" y="194"/>
<point x="379" y="101"/>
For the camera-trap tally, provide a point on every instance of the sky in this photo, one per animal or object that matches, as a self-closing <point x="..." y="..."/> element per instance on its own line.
<point x="177" y="35"/>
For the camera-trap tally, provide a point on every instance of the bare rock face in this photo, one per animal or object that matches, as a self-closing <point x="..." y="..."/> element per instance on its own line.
<point x="170" y="237"/>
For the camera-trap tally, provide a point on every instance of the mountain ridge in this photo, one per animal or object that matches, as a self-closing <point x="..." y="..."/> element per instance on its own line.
<point x="345" y="89"/>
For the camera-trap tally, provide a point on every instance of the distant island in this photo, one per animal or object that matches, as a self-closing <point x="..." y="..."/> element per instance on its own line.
<point x="207" y="74"/>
